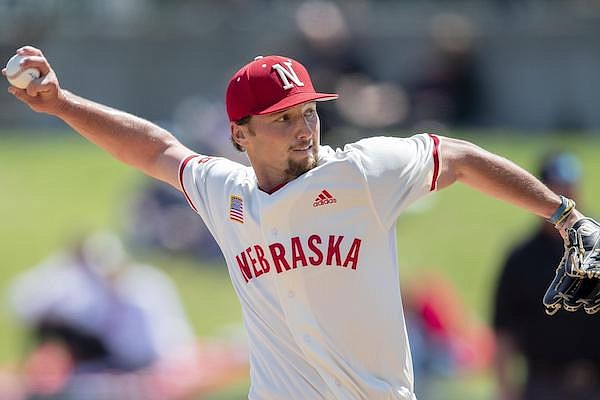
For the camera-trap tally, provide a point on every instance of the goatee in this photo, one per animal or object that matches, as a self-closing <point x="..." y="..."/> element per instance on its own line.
<point x="297" y="168"/>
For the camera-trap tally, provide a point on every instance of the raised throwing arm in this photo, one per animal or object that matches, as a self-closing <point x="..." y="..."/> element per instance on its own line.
<point x="130" y="139"/>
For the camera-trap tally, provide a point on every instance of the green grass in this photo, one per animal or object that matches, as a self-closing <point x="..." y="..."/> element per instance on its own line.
<point x="54" y="185"/>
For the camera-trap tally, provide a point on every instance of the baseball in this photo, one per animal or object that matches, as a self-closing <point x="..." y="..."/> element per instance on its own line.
<point x="17" y="76"/>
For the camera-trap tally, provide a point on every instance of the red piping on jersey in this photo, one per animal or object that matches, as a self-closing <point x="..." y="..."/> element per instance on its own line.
<point x="181" y="168"/>
<point x="436" y="161"/>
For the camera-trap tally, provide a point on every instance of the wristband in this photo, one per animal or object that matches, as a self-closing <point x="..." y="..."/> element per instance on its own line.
<point x="563" y="211"/>
<point x="563" y="218"/>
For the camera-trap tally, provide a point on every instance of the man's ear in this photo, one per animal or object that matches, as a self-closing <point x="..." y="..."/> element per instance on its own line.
<point x="239" y="134"/>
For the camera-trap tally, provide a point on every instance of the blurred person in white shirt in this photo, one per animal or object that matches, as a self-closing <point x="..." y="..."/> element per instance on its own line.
<point x="104" y="326"/>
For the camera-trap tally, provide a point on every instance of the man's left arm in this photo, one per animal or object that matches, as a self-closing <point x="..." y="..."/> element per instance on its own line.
<point x="496" y="176"/>
<point x="576" y="283"/>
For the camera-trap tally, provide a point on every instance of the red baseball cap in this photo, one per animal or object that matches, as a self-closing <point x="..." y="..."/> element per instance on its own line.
<point x="270" y="84"/>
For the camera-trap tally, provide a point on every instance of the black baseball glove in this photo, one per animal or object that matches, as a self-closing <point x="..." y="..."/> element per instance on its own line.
<point x="577" y="280"/>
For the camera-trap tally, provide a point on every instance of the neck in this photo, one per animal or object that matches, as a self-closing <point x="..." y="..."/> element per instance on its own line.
<point x="270" y="180"/>
<point x="272" y="188"/>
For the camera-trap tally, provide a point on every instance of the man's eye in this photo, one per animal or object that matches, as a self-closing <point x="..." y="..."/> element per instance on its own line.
<point x="283" y="118"/>
<point x="310" y="113"/>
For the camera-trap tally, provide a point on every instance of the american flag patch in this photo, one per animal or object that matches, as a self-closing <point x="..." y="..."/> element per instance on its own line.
<point x="236" y="209"/>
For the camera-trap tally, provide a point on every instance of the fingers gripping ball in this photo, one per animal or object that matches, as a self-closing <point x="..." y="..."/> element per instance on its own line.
<point x="17" y="76"/>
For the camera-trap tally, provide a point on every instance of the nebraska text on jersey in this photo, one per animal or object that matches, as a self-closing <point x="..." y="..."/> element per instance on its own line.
<point x="315" y="251"/>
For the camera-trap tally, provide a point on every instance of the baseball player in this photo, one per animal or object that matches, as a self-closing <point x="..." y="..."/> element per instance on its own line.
<point x="308" y="231"/>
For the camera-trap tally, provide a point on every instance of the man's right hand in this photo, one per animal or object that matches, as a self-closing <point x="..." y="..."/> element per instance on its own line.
<point x="43" y="94"/>
<point x="130" y="139"/>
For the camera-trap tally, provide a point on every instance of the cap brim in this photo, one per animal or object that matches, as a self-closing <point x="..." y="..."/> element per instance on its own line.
<point x="296" y="99"/>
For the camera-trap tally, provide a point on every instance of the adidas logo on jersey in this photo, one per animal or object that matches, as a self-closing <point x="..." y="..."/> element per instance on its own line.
<point x="324" y="198"/>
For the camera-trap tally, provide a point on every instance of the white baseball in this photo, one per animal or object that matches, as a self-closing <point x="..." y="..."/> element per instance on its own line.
<point x="17" y="76"/>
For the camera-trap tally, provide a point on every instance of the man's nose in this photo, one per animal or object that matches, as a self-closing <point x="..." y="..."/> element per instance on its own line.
<point x="303" y="128"/>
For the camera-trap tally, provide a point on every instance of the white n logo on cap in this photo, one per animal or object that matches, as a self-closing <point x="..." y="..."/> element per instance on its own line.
<point x="287" y="74"/>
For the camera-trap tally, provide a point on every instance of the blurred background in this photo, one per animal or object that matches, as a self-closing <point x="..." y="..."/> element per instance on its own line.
<point x="519" y="78"/>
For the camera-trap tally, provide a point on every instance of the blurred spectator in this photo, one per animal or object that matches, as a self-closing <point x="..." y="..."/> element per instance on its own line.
<point x="325" y="44"/>
<point x="560" y="361"/>
<point x="448" y="92"/>
<point x="107" y="328"/>
<point x="328" y="45"/>
<point x="159" y="219"/>
<point x="445" y="340"/>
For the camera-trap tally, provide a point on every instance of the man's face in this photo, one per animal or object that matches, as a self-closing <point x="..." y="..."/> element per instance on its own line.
<point x="285" y="142"/>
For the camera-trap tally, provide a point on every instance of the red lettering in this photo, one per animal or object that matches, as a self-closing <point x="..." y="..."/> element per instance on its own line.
<point x="259" y="272"/>
<point x="298" y="252"/>
<point x="352" y="256"/>
<point x="244" y="267"/>
<point x="333" y="249"/>
<point x="323" y="202"/>
<point x="260" y="253"/>
<point x="278" y="254"/>
<point x="253" y="262"/>
<point x="316" y="261"/>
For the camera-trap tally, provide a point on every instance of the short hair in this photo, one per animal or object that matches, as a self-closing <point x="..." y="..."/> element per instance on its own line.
<point x="240" y="122"/>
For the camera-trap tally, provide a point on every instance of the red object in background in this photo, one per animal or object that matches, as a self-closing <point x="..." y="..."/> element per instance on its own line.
<point x="48" y="369"/>
<point x="449" y="322"/>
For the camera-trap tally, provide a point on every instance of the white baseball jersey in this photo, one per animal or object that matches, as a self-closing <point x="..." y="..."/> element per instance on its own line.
<point x="314" y="265"/>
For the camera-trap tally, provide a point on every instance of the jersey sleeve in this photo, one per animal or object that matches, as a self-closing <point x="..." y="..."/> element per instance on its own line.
<point x="203" y="181"/>
<point x="399" y="171"/>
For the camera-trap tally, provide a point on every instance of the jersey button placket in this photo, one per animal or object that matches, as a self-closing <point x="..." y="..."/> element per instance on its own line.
<point x="289" y="284"/>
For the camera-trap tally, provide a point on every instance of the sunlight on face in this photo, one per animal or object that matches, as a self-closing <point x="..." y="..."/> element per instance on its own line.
<point x="287" y="141"/>
<point x="297" y="167"/>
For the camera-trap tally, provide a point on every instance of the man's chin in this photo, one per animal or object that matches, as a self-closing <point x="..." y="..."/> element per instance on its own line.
<point x="299" y="167"/>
